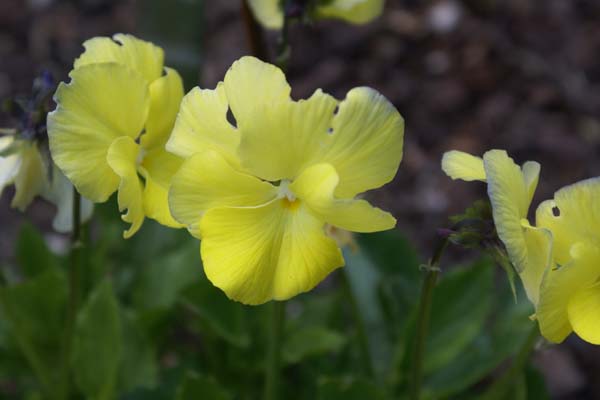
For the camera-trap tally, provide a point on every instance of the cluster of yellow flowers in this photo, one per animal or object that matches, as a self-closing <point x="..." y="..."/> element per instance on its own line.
<point x="558" y="260"/>
<point x="259" y="193"/>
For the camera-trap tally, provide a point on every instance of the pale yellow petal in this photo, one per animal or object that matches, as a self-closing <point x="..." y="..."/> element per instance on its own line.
<point x="269" y="252"/>
<point x="464" y="166"/>
<point x="316" y="187"/>
<point x="139" y="55"/>
<point x="122" y="156"/>
<point x="268" y="12"/>
<point x="560" y="285"/>
<point x="31" y="178"/>
<point x="584" y="313"/>
<point x="166" y="93"/>
<point x="207" y="180"/>
<point x="538" y="242"/>
<point x="531" y="176"/>
<point x="101" y="103"/>
<point x="354" y="11"/>
<point x="202" y="125"/>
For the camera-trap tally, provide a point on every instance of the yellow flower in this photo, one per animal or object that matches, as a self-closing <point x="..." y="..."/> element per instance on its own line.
<point x="510" y="189"/>
<point x="259" y="194"/>
<point x="270" y="12"/>
<point x="111" y="123"/>
<point x="570" y="292"/>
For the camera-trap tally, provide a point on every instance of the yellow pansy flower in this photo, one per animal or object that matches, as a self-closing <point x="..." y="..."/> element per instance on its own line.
<point x="570" y="292"/>
<point x="111" y="123"/>
<point x="510" y="189"/>
<point x="270" y="12"/>
<point x="260" y="192"/>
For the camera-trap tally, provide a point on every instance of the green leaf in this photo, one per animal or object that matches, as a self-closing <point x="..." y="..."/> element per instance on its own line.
<point x="32" y="253"/>
<point x="97" y="348"/>
<point x="349" y="389"/>
<point x="311" y="341"/>
<point x="195" y="387"/>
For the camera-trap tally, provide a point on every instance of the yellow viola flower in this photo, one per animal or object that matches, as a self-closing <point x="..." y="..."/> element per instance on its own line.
<point x="510" y="189"/>
<point x="259" y="192"/>
<point x="570" y="292"/>
<point x="111" y="123"/>
<point x="270" y="12"/>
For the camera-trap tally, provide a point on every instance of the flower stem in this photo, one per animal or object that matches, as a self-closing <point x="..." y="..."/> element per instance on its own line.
<point x="274" y="349"/>
<point x="361" y="331"/>
<point x="424" y="315"/>
<point x="74" y="269"/>
<point x="254" y="33"/>
<point x="499" y="389"/>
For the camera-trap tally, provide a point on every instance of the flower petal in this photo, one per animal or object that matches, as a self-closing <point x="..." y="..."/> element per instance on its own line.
<point x="139" y="55"/>
<point x="531" y="176"/>
<point x="584" y="313"/>
<point x="538" y="242"/>
<point x="122" y="156"/>
<point x="464" y="166"/>
<point x="32" y="177"/>
<point x="268" y="12"/>
<point x="251" y="84"/>
<point x="166" y="93"/>
<point x="269" y="252"/>
<point x="357" y="11"/>
<point x="316" y="186"/>
<point x="560" y="285"/>
<point x="577" y="216"/>
<point x="202" y="124"/>
<point x="508" y="195"/>
<point x="207" y="180"/>
<point x="102" y="102"/>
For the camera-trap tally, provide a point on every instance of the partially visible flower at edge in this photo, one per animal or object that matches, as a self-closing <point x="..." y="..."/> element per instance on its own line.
<point x="270" y="12"/>
<point x="259" y="194"/>
<point x="112" y="120"/>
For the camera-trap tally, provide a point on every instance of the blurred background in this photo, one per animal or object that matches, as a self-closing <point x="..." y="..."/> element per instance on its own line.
<point x="520" y="75"/>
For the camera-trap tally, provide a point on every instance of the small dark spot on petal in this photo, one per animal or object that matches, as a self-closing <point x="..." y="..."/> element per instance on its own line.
<point x="555" y="211"/>
<point x="231" y="117"/>
<point x="330" y="131"/>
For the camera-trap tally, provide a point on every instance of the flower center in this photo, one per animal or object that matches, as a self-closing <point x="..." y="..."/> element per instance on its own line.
<point x="140" y="156"/>
<point x="288" y="197"/>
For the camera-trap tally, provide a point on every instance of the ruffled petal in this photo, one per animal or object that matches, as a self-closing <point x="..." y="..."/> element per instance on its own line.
<point x="207" y="180"/>
<point x="316" y="187"/>
<point x="102" y="103"/>
<point x="354" y="11"/>
<point x="139" y="55"/>
<point x="508" y="195"/>
<point x="573" y="216"/>
<point x="584" y="313"/>
<point x="122" y="156"/>
<point x="166" y="93"/>
<point x="268" y="12"/>
<point x="269" y="252"/>
<point x="538" y="242"/>
<point x="202" y="125"/>
<point x="464" y="166"/>
<point x="531" y="176"/>
<point x="560" y="285"/>
<point x="251" y="84"/>
<point x="31" y="178"/>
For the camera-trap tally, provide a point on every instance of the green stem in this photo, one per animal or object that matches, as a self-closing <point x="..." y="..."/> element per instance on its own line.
<point x="254" y="33"/>
<point x="74" y="295"/>
<point x="359" y="323"/>
<point x="274" y="350"/>
<point x="424" y="315"/>
<point x="499" y="389"/>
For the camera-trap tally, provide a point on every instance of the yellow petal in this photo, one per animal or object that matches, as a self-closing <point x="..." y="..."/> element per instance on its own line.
<point x="584" y="313"/>
<point x="268" y="12"/>
<point x="560" y="285"/>
<point x="207" y="180"/>
<point x="285" y="136"/>
<point x="508" y="195"/>
<point x="354" y="11"/>
<point x="122" y="156"/>
<point x="32" y="177"/>
<point x="102" y="103"/>
<point x="166" y="93"/>
<point x="577" y="216"/>
<point x="531" y="176"/>
<point x="464" y="166"/>
<point x="316" y="187"/>
<point x="202" y="124"/>
<point x="538" y="242"/>
<point x="251" y="84"/>
<point x="269" y="252"/>
<point x="139" y="55"/>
